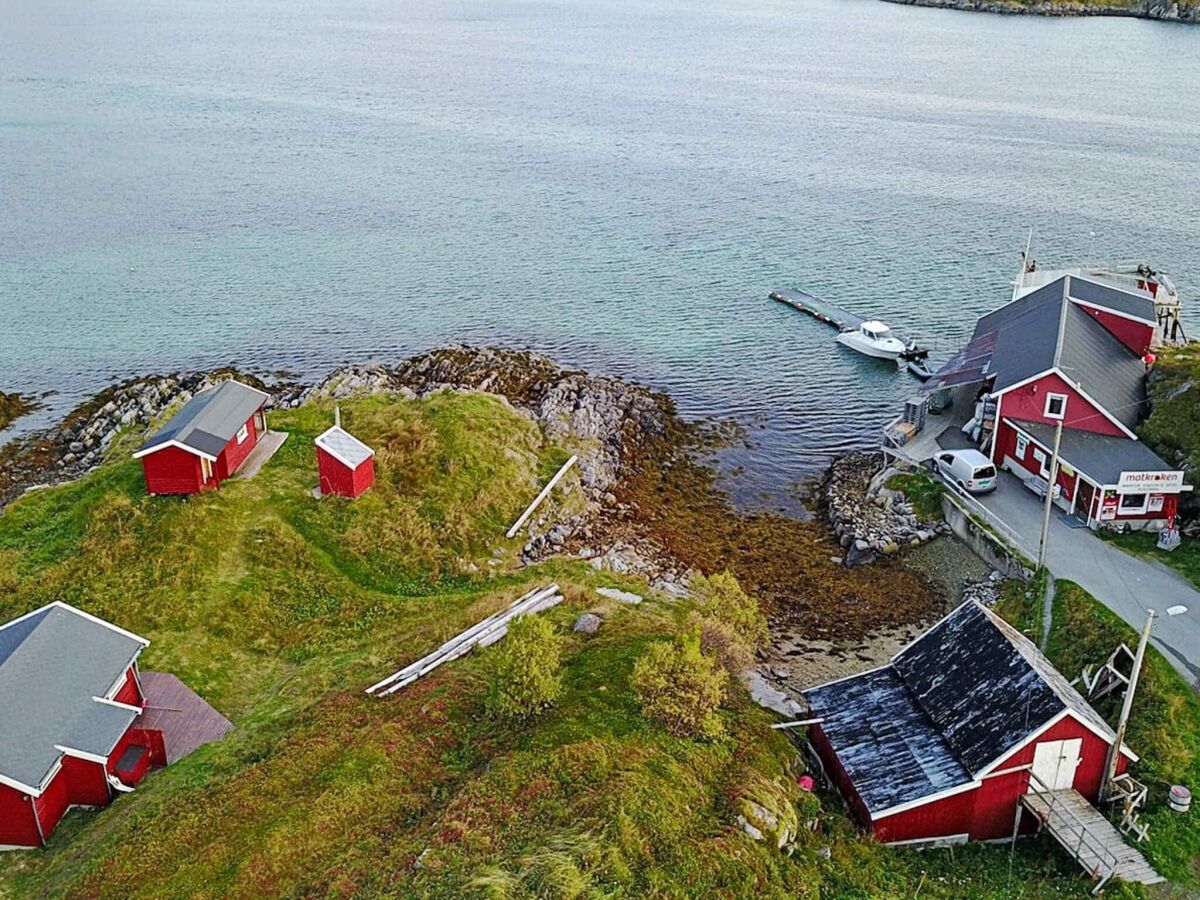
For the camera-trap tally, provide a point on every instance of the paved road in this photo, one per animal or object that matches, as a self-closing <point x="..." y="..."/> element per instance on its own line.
<point x="1127" y="585"/>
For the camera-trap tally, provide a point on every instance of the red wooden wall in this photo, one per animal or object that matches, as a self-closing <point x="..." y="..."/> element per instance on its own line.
<point x="1028" y="402"/>
<point x="17" y="827"/>
<point x="173" y="471"/>
<point x="1006" y="445"/>
<point x="1137" y="336"/>
<point x="129" y="691"/>
<point x="338" y="478"/>
<point x="234" y="454"/>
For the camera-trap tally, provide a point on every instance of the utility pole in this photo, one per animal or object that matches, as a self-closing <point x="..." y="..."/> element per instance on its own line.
<point x="1114" y="752"/>
<point x="1050" y="491"/>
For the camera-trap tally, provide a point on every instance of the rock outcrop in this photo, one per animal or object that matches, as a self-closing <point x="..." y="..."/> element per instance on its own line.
<point x="1164" y="10"/>
<point x="868" y="518"/>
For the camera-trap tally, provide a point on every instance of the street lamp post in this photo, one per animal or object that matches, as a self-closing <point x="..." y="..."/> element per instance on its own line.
<point x="1050" y="490"/>
<point x="1114" y="752"/>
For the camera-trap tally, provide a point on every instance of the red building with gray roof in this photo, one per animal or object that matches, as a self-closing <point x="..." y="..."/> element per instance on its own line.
<point x="1074" y="352"/>
<point x="206" y="441"/>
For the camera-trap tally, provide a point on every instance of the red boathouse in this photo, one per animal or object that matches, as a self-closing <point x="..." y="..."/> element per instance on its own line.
<point x="940" y="744"/>
<point x="345" y="465"/>
<point x="206" y="441"/>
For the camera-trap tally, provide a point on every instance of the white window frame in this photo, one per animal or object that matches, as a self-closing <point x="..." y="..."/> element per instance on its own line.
<point x="1050" y="398"/>
<point x="1022" y="445"/>
<point x="1043" y="460"/>
<point x="243" y="433"/>
<point x="1123" y="510"/>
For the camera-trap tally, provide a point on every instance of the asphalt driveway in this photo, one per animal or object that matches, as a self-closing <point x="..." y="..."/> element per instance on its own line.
<point x="1128" y="585"/>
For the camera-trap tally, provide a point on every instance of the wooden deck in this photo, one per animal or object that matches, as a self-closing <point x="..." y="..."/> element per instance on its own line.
<point x="185" y="720"/>
<point x="268" y="446"/>
<point x="1089" y="837"/>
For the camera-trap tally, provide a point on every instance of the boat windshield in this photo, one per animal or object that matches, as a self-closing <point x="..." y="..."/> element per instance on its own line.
<point x="882" y="333"/>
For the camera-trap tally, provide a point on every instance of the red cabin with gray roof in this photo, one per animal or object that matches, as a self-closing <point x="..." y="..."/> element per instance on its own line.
<point x="1074" y="352"/>
<point x="939" y="745"/>
<point x="206" y="441"/>
<point x="345" y="465"/>
<point x="70" y="700"/>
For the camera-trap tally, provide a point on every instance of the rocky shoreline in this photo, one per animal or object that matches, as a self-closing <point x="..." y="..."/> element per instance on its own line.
<point x="1159" y="10"/>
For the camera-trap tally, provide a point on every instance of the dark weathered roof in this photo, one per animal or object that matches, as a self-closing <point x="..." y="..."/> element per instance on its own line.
<point x="1101" y="457"/>
<point x="1046" y="329"/>
<point x="210" y="420"/>
<point x="886" y="743"/>
<point x="52" y="664"/>
<point x="344" y="446"/>
<point x="954" y="702"/>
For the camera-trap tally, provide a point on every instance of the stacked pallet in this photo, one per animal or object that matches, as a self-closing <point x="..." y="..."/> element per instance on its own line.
<point x="482" y="634"/>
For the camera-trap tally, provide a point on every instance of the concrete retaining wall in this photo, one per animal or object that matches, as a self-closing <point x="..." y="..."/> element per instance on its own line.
<point x="984" y="544"/>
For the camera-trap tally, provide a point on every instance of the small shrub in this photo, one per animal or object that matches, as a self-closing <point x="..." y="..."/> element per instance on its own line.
<point x="526" y="669"/>
<point x="677" y="685"/>
<point x="922" y="491"/>
<point x="730" y="624"/>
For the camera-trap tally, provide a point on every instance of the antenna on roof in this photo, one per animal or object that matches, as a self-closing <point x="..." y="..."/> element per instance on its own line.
<point x="337" y="417"/>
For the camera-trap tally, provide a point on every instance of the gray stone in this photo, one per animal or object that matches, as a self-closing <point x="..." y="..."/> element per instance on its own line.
<point x="588" y="623"/>
<point x="620" y="596"/>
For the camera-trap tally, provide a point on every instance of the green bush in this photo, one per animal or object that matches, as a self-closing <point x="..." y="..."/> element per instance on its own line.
<point x="677" y="685"/>
<point x="729" y="621"/>
<point x="526" y="669"/>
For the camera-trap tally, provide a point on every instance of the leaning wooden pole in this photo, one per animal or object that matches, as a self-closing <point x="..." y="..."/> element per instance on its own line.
<point x="540" y="497"/>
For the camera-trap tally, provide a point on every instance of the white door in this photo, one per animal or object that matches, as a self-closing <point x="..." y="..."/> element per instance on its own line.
<point x="1054" y="764"/>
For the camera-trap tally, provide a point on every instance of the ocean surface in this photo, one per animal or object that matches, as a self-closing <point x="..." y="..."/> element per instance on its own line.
<point x="618" y="183"/>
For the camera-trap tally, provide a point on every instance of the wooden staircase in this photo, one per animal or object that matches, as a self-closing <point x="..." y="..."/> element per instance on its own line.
<point x="1089" y="837"/>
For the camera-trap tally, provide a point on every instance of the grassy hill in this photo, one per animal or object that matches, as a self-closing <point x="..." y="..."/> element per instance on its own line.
<point x="279" y="609"/>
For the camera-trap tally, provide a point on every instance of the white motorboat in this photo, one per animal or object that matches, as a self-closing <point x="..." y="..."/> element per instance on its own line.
<point x="873" y="338"/>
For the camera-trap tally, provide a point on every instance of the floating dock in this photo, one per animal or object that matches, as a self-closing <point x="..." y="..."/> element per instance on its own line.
<point x="841" y="319"/>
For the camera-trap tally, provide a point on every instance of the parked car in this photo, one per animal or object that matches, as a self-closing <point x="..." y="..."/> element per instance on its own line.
<point x="969" y="469"/>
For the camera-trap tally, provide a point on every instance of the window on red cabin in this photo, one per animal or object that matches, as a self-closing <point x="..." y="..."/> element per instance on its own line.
<point x="1056" y="406"/>
<point x="242" y="434"/>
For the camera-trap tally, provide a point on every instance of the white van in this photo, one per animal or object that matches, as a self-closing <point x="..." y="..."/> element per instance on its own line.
<point x="969" y="469"/>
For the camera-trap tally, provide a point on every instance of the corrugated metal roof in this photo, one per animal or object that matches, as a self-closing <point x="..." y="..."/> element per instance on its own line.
<point x="345" y="447"/>
<point x="210" y="420"/>
<point x="958" y="699"/>
<point x="1105" y="369"/>
<point x="1101" y="457"/>
<point x="49" y="673"/>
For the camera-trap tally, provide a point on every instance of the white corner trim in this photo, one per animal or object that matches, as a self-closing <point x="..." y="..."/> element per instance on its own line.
<point x="99" y="621"/>
<point x="192" y="450"/>
<point x="81" y="754"/>
<point x="108" y="701"/>
<point x="929" y="798"/>
<point x="20" y="786"/>
<point x="1116" y="312"/>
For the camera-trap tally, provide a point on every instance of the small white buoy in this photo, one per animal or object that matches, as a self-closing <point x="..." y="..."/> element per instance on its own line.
<point x="1180" y="799"/>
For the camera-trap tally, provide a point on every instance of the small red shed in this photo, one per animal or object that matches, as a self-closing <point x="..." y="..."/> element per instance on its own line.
<point x="940" y="744"/>
<point x="206" y="441"/>
<point x="345" y="465"/>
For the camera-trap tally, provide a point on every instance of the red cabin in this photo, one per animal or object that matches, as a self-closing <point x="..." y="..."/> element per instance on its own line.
<point x="206" y="441"/>
<point x="345" y="465"/>
<point x="940" y="745"/>
<point x="79" y="722"/>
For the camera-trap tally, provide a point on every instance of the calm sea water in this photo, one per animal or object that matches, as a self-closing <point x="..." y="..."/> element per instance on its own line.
<point x="618" y="183"/>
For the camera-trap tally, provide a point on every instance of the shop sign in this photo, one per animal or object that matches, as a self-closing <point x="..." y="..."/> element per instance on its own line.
<point x="1149" y="482"/>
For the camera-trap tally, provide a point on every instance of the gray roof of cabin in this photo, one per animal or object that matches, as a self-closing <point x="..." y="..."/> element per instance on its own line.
<point x="1101" y="457"/>
<point x="211" y="419"/>
<point x="1131" y="304"/>
<point x="885" y="741"/>
<point x="345" y="446"/>
<point x="960" y="697"/>
<point x="1035" y="334"/>
<point x="52" y="664"/>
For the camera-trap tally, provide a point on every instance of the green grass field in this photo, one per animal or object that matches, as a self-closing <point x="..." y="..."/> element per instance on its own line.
<point x="280" y="609"/>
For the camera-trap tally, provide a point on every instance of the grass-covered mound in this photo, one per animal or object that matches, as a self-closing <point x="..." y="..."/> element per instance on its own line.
<point x="280" y="608"/>
<point x="1172" y="429"/>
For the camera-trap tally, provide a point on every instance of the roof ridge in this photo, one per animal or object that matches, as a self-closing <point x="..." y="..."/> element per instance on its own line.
<point x="1064" y="305"/>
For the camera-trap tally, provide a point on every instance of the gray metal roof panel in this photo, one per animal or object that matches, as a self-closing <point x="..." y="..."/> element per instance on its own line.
<point x="47" y="682"/>
<point x="1107" y="370"/>
<point x="1026" y="335"/>
<point x="345" y="446"/>
<point x="211" y="419"/>
<point x="1102" y="457"/>
<point x="1131" y="304"/>
<point x="888" y="746"/>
